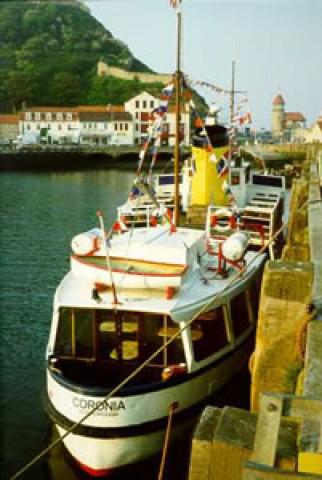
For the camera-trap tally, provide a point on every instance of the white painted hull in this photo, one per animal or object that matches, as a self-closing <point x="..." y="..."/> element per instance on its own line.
<point x="102" y="455"/>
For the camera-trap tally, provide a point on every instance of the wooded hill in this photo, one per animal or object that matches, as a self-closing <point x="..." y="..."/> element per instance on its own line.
<point x="49" y="54"/>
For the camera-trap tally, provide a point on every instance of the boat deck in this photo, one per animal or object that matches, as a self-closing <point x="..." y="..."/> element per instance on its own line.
<point x="200" y="285"/>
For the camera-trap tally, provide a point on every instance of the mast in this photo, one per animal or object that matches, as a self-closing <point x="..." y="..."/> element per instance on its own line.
<point x="232" y="110"/>
<point x="177" y="116"/>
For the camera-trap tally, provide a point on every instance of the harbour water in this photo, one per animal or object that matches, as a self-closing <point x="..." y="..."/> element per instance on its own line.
<point x="39" y="214"/>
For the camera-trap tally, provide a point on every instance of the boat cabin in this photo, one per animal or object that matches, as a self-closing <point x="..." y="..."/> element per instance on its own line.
<point x="95" y="347"/>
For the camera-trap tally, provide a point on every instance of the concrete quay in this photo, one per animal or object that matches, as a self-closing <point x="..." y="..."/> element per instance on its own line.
<point x="281" y="438"/>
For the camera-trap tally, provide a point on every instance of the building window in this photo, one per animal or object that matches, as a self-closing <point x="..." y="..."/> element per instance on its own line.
<point x="95" y="125"/>
<point x="115" y="126"/>
<point x="126" y="126"/>
<point x="37" y="116"/>
<point x="69" y="117"/>
<point x="144" y="104"/>
<point x="49" y="126"/>
<point x="137" y="104"/>
<point x="137" y="115"/>
<point x="136" y="128"/>
<point x="152" y="104"/>
<point x="38" y="126"/>
<point x="59" y="117"/>
<point x="59" y="126"/>
<point x="121" y="126"/>
<point x="32" y="116"/>
<point x="54" y="116"/>
<point x="28" y="126"/>
<point x="28" y="116"/>
<point x="48" y="116"/>
<point x="89" y="125"/>
<point x="43" y="116"/>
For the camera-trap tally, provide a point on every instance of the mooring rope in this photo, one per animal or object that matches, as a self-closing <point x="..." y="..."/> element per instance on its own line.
<point x="145" y="363"/>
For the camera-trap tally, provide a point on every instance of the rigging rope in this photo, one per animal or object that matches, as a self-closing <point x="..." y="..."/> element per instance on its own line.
<point x="144" y="364"/>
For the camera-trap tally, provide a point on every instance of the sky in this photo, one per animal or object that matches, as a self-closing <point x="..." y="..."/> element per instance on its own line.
<point x="276" y="44"/>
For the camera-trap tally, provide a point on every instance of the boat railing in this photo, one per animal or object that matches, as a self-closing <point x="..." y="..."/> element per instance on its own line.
<point x="146" y="215"/>
<point x="260" y="218"/>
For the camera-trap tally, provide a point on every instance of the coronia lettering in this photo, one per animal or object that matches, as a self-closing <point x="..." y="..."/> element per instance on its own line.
<point x="113" y="406"/>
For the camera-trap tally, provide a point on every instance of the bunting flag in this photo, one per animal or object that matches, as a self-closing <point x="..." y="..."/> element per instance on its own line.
<point x="201" y="83"/>
<point x="222" y="167"/>
<point x="175" y="3"/>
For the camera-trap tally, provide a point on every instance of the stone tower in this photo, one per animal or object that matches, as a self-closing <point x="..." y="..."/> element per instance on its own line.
<point x="278" y="114"/>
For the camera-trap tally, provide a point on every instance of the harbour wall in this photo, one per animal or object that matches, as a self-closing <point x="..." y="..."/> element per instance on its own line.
<point x="281" y="437"/>
<point x="35" y="159"/>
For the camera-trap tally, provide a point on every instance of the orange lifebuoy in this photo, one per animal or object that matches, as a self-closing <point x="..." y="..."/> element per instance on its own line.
<point x="221" y="214"/>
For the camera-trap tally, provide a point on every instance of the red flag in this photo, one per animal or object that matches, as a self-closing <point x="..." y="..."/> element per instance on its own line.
<point x="175" y="3"/>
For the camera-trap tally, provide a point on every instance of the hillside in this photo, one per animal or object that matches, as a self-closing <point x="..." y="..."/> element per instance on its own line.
<point x="49" y="54"/>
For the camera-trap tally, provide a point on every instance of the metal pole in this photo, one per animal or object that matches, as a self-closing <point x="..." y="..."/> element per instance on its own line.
<point x="232" y="109"/>
<point x="177" y="111"/>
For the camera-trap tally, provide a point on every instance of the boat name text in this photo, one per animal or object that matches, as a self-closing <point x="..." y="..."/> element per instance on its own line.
<point x="111" y="407"/>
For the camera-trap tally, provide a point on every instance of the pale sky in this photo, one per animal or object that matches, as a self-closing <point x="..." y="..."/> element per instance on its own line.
<point x="277" y="46"/>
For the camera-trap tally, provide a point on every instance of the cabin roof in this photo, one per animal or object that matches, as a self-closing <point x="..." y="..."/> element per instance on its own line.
<point x="198" y="289"/>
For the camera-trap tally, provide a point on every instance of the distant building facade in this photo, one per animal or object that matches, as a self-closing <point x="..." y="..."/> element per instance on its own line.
<point x="50" y="124"/>
<point x="9" y="128"/>
<point x="127" y="124"/>
<point x="283" y="121"/>
<point x="311" y="134"/>
<point x="141" y="107"/>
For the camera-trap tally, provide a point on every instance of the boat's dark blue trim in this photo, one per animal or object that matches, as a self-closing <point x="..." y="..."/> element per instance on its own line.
<point x="144" y="388"/>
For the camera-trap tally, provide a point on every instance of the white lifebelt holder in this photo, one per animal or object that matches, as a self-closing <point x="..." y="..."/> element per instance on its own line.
<point x="221" y="214"/>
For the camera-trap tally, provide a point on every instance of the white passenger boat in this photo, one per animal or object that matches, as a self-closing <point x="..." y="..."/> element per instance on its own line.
<point x="155" y="320"/>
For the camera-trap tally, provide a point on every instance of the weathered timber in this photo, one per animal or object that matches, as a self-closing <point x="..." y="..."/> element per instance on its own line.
<point x="254" y="471"/>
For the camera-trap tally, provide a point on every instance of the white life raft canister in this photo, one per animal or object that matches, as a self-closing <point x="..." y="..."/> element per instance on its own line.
<point x="87" y="242"/>
<point x="234" y="247"/>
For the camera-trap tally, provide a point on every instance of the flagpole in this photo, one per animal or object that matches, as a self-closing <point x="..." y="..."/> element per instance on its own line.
<point x="232" y="111"/>
<point x="177" y="117"/>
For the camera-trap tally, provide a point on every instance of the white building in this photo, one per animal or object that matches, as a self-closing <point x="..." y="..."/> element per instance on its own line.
<point x="141" y="107"/>
<point x="311" y="134"/>
<point x="50" y="124"/>
<point x="103" y="124"/>
<point x="106" y="128"/>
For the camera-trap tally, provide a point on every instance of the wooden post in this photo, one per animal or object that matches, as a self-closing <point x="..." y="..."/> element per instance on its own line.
<point x="268" y="424"/>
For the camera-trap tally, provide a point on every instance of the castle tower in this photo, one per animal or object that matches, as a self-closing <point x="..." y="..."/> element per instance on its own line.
<point x="278" y="113"/>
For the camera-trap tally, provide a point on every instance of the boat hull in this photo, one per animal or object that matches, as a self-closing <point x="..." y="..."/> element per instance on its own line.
<point x="105" y="442"/>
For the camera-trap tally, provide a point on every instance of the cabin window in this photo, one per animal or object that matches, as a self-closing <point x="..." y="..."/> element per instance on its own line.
<point x="75" y="333"/>
<point x="209" y="333"/>
<point x="108" y="336"/>
<point x="241" y="313"/>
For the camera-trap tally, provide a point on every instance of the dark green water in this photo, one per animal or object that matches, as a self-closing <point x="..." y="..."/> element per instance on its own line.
<point x="39" y="215"/>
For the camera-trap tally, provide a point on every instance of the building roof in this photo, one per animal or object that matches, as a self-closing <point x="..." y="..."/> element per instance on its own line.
<point x="12" y="119"/>
<point x="50" y="109"/>
<point x="294" y="117"/>
<point x="104" y="116"/>
<point x="100" y="108"/>
<point x="278" y="100"/>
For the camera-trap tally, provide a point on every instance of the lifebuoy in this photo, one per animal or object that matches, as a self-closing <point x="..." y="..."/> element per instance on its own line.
<point x="221" y="214"/>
